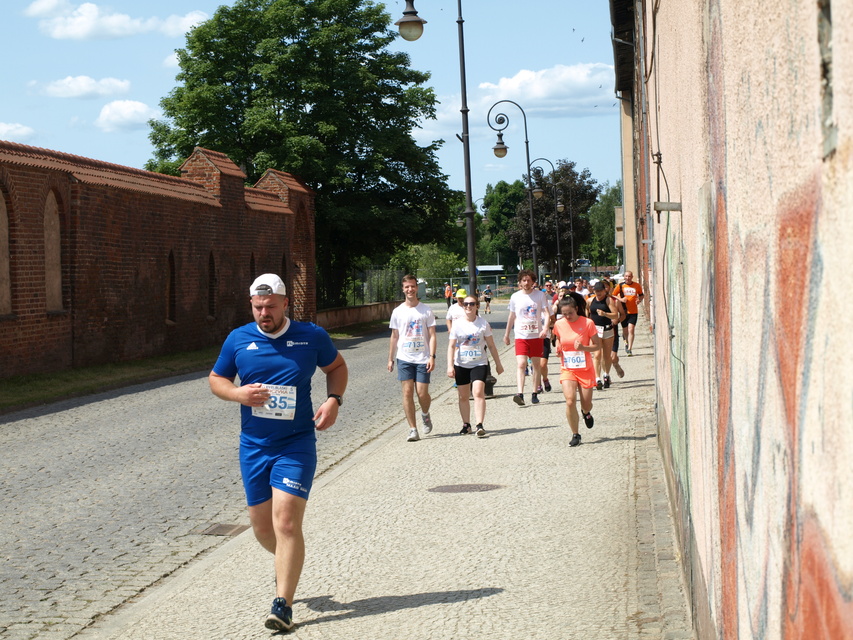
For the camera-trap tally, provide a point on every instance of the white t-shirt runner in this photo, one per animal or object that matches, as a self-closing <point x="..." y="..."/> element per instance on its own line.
<point x="454" y="312"/>
<point x="528" y="309"/>
<point x="470" y="342"/>
<point x="411" y="324"/>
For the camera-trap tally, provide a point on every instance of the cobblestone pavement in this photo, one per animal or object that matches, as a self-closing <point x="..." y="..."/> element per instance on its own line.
<point x="105" y="499"/>
<point x="105" y="495"/>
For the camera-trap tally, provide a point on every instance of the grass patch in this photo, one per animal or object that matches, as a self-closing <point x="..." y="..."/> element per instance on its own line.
<point x="25" y="391"/>
<point x="20" y="392"/>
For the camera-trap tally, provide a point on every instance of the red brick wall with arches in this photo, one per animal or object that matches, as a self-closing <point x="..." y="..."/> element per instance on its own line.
<point x="149" y="264"/>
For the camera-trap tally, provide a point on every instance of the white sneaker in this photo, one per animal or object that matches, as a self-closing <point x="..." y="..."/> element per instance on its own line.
<point x="413" y="436"/>
<point x="425" y="418"/>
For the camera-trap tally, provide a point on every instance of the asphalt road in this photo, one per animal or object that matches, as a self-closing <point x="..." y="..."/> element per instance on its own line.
<point x="105" y="495"/>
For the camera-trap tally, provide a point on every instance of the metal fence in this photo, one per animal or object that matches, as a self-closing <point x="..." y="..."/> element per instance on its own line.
<point x="360" y="287"/>
<point x="431" y="289"/>
<point x="379" y="284"/>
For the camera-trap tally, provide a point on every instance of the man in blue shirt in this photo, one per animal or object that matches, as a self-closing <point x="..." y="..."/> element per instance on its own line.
<point x="275" y="359"/>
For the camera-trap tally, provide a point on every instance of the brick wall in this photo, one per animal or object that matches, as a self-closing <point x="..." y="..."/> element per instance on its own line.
<point x="118" y="229"/>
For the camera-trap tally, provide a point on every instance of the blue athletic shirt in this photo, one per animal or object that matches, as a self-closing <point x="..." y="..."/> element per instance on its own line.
<point x="291" y="359"/>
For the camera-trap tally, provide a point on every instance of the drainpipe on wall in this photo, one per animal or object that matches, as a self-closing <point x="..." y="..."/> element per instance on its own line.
<point x="650" y="229"/>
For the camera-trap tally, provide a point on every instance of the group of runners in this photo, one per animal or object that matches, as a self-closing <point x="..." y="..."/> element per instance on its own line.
<point x="275" y="359"/>
<point x="582" y="327"/>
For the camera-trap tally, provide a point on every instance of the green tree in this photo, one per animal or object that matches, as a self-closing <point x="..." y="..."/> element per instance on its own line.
<point x="428" y="261"/>
<point x="309" y="87"/>
<point x="601" y="247"/>
<point x="500" y="202"/>
<point x="577" y="191"/>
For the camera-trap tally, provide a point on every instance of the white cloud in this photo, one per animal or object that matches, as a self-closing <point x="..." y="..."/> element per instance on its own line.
<point x="171" y="61"/>
<point x="16" y="132"/>
<point x="61" y="19"/>
<point x="178" y="25"/>
<point x="86" y="87"/>
<point x="560" y="91"/>
<point x="125" y="115"/>
<point x="48" y="8"/>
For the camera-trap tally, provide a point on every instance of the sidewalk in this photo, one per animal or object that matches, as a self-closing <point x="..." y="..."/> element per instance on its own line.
<point x="456" y="537"/>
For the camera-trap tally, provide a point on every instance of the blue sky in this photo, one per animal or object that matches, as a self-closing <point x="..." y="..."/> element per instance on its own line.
<point x="84" y="78"/>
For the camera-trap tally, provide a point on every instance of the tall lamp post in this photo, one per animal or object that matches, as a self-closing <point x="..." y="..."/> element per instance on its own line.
<point x="411" y="28"/>
<point x="572" y="234"/>
<point x="558" y="208"/>
<point x="460" y="221"/>
<point x="501" y="121"/>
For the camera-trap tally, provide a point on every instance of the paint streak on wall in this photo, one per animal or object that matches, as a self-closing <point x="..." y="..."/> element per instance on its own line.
<point x="755" y="382"/>
<point x="725" y="447"/>
<point x="727" y="606"/>
<point x="813" y="602"/>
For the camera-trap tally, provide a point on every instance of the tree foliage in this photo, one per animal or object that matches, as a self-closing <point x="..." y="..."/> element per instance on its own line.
<point x="428" y="261"/>
<point x="309" y="87"/>
<point x="501" y="202"/>
<point x="577" y="191"/>
<point x="601" y="247"/>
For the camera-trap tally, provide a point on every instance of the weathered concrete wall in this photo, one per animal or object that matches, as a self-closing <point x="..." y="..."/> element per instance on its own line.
<point x="750" y="105"/>
<point x="344" y="316"/>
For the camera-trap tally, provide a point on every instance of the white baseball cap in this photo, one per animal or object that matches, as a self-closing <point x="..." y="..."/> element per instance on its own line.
<point x="267" y="285"/>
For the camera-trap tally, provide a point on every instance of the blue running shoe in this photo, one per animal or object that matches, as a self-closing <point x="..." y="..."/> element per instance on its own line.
<point x="280" y="617"/>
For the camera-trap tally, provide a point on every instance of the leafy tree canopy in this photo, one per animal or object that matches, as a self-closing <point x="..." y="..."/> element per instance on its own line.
<point x="309" y="87"/>
<point x="601" y="247"/>
<point x="428" y="261"/>
<point x="577" y="191"/>
<point x="500" y="202"/>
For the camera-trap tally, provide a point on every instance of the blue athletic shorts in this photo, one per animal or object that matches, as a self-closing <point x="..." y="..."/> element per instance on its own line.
<point x="290" y="468"/>
<point x="412" y="371"/>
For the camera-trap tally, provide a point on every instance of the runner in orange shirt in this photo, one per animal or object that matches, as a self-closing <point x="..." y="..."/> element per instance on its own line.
<point x="629" y="293"/>
<point x="576" y="338"/>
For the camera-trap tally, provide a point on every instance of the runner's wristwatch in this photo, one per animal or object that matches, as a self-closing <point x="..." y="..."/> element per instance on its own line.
<point x="336" y="397"/>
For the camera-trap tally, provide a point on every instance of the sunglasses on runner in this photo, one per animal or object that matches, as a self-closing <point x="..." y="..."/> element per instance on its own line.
<point x="469" y="304"/>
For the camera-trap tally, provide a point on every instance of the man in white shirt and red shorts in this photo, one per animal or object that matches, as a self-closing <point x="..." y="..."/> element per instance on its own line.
<point x="529" y="317"/>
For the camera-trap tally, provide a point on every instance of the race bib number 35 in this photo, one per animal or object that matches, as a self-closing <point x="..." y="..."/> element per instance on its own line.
<point x="280" y="406"/>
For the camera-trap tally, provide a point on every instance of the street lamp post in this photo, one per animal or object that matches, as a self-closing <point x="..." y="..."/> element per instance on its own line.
<point x="500" y="149"/>
<point x="411" y="27"/>
<point x="558" y="208"/>
<point x="572" y="234"/>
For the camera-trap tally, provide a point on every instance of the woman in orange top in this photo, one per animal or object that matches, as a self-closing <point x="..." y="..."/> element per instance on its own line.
<point x="576" y="338"/>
